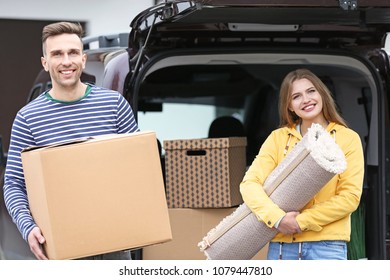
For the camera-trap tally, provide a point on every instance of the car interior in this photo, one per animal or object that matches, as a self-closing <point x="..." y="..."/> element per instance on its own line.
<point x="236" y="86"/>
<point x="245" y="85"/>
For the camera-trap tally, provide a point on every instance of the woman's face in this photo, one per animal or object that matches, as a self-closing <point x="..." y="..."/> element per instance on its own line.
<point x="306" y="101"/>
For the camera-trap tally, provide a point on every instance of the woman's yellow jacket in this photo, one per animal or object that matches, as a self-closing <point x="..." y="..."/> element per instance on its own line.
<point x="327" y="215"/>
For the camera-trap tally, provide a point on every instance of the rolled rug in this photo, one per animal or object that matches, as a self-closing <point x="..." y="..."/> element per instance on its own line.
<point x="291" y="185"/>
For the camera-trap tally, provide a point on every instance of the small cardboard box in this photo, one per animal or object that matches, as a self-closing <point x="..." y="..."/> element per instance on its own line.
<point x="99" y="195"/>
<point x="189" y="226"/>
<point x="204" y="173"/>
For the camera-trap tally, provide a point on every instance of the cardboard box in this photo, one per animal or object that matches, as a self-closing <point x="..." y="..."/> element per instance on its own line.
<point x="204" y="173"/>
<point x="189" y="226"/>
<point x="99" y="195"/>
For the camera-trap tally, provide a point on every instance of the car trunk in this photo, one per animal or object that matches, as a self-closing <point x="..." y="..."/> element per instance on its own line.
<point x="235" y="53"/>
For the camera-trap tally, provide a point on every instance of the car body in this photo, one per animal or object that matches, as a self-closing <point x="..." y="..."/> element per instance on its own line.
<point x="185" y="63"/>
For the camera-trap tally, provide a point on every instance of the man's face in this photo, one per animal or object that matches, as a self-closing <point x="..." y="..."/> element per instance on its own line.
<point x="64" y="60"/>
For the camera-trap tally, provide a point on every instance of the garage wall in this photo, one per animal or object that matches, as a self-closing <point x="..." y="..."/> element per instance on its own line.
<point x="101" y="16"/>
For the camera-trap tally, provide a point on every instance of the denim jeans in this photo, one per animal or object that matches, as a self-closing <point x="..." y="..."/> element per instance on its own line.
<point x="316" y="250"/>
<point x="120" y="255"/>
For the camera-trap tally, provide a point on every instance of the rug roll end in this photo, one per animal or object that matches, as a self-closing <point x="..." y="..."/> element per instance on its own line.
<point x="325" y="151"/>
<point x="203" y="245"/>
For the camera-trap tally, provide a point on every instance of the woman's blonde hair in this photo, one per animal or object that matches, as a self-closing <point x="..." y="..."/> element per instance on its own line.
<point x="329" y="109"/>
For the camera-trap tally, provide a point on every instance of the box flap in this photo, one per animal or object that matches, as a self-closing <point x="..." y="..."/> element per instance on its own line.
<point x="83" y="139"/>
<point x="63" y="143"/>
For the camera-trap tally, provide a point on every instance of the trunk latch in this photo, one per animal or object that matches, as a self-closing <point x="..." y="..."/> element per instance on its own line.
<point x="348" y="4"/>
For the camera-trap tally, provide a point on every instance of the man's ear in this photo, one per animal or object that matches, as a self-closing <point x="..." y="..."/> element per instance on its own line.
<point x="44" y="63"/>
<point x="84" y="60"/>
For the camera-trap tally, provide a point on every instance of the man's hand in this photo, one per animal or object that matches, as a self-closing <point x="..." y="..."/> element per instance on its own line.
<point x="289" y="225"/>
<point x="35" y="241"/>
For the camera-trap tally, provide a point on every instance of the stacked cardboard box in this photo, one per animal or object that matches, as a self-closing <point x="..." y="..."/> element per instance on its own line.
<point x="202" y="185"/>
<point x="189" y="226"/>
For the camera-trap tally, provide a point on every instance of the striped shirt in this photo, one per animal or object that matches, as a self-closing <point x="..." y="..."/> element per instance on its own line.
<point x="46" y="121"/>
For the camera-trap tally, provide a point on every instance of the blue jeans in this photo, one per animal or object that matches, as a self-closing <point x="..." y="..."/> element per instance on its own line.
<point x="316" y="250"/>
<point x="120" y="255"/>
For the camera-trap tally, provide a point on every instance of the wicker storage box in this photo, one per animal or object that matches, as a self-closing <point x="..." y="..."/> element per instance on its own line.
<point x="204" y="173"/>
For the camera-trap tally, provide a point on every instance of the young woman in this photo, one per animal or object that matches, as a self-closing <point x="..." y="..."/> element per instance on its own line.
<point x="322" y="228"/>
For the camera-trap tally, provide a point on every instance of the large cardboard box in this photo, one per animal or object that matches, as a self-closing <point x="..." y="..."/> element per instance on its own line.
<point x="204" y="173"/>
<point x="189" y="226"/>
<point x="97" y="196"/>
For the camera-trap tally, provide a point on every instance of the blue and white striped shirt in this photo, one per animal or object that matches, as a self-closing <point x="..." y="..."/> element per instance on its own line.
<point x="46" y="121"/>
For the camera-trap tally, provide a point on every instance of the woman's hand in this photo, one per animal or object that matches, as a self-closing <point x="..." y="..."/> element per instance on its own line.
<point x="289" y="225"/>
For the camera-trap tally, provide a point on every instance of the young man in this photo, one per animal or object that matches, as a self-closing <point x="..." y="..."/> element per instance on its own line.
<point x="69" y="110"/>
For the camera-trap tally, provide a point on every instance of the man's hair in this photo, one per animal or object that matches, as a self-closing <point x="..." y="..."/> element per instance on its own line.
<point x="59" y="28"/>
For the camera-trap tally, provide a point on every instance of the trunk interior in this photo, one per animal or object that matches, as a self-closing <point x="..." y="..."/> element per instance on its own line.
<point x="245" y="85"/>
